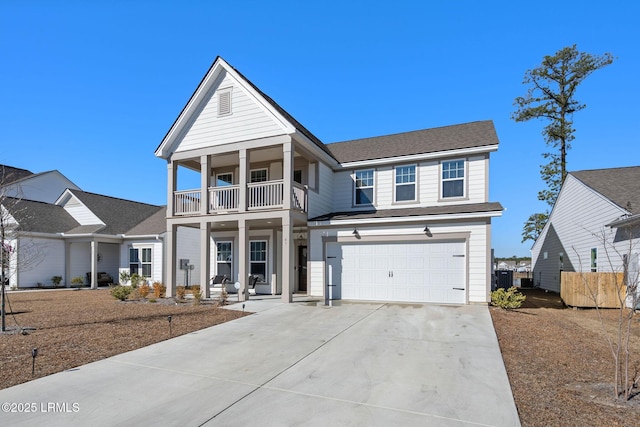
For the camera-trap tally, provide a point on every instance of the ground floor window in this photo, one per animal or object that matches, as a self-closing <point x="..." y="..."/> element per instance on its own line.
<point x="258" y="259"/>
<point x="140" y="261"/>
<point x="223" y="259"/>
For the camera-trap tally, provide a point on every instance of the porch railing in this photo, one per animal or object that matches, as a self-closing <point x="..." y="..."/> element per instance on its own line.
<point x="222" y="199"/>
<point x="260" y="195"/>
<point x="186" y="202"/>
<point x="265" y="194"/>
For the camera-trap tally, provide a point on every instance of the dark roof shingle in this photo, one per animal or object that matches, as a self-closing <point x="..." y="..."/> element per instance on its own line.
<point x="40" y="217"/>
<point x="9" y="174"/>
<point x="620" y="185"/>
<point x="467" y="135"/>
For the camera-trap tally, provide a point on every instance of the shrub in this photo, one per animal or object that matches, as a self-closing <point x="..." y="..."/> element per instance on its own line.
<point x="77" y="281"/>
<point x="56" y="280"/>
<point x="180" y="291"/>
<point x="136" y="280"/>
<point x="121" y="292"/>
<point x="508" y="299"/>
<point x="159" y="290"/>
<point x="125" y="276"/>
<point x="197" y="294"/>
<point x="143" y="290"/>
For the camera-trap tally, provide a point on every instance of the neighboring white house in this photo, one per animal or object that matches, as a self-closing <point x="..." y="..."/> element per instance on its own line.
<point x="591" y="227"/>
<point x="402" y="217"/>
<point x="58" y="230"/>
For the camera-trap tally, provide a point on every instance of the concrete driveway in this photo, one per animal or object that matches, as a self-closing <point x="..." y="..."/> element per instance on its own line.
<point x="355" y="364"/>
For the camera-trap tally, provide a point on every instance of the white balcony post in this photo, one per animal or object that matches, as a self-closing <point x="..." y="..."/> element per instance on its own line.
<point x="243" y="259"/>
<point x="287" y="175"/>
<point x="205" y="258"/>
<point x="243" y="171"/>
<point x="171" y="187"/>
<point x="288" y="258"/>
<point x="170" y="260"/>
<point x="205" y="170"/>
<point x="94" y="265"/>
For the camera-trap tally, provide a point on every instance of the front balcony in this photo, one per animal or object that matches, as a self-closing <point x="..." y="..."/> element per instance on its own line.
<point x="260" y="195"/>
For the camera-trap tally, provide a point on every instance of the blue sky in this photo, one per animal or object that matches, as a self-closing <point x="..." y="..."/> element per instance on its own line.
<point x="91" y="87"/>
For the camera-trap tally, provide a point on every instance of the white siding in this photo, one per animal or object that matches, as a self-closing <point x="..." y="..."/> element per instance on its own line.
<point x="248" y="120"/>
<point x="321" y="199"/>
<point x="80" y="212"/>
<point x="39" y="260"/>
<point x="45" y="187"/>
<point x="576" y="225"/>
<point x="80" y="260"/>
<point x="428" y="185"/>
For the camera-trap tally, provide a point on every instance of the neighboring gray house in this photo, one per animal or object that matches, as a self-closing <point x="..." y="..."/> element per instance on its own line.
<point x="402" y="217"/>
<point x="76" y="232"/>
<point x="593" y="226"/>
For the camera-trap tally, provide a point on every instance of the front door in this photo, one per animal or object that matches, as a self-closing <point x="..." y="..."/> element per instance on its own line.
<point x="302" y="268"/>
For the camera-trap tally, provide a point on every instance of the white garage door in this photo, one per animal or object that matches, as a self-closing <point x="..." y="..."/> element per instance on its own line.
<point x="408" y="272"/>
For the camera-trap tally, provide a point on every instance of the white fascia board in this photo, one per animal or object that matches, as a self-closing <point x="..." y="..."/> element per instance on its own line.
<point x="418" y="157"/>
<point x="404" y="219"/>
<point x="142" y="236"/>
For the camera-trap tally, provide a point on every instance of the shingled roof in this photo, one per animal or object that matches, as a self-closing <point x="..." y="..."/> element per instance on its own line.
<point x="467" y="135"/>
<point x="119" y="215"/>
<point x="620" y="185"/>
<point x="40" y="217"/>
<point x="9" y="174"/>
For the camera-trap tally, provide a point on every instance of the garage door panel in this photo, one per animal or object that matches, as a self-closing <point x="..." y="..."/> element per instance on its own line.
<point x="411" y="272"/>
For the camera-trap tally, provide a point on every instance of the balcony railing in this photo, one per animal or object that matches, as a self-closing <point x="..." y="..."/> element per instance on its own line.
<point x="260" y="195"/>
<point x="224" y="199"/>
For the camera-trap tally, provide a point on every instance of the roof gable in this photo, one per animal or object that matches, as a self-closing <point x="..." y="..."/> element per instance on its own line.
<point x="253" y="115"/>
<point x="40" y="217"/>
<point x="447" y="138"/>
<point x="619" y="185"/>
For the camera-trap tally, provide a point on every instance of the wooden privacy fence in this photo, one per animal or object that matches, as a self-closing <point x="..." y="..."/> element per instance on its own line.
<point x="606" y="290"/>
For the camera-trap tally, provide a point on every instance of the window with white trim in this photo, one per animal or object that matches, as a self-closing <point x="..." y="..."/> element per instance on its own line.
<point x="364" y="186"/>
<point x="259" y="175"/>
<point x="453" y="178"/>
<point x="405" y="183"/>
<point x="224" y="259"/>
<point x="224" y="179"/>
<point x="258" y="259"/>
<point x="594" y="260"/>
<point x="140" y="261"/>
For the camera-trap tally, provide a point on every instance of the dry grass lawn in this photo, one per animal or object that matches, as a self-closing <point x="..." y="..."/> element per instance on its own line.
<point x="559" y="365"/>
<point x="72" y="328"/>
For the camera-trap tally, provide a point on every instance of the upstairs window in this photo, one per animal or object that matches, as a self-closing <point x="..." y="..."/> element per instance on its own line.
<point x="405" y="183"/>
<point x="259" y="175"/>
<point x="594" y="260"/>
<point x="363" y="194"/>
<point x="224" y="102"/>
<point x="453" y="179"/>
<point x="224" y="179"/>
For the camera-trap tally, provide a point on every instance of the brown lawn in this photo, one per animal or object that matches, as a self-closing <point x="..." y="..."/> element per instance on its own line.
<point x="74" y="327"/>
<point x="559" y="364"/>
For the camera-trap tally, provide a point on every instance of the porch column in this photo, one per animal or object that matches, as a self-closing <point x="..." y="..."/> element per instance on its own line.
<point x="205" y="170"/>
<point x="170" y="261"/>
<point x="205" y="258"/>
<point x="287" y="174"/>
<point x="288" y="258"/>
<point x="243" y="259"/>
<point x="243" y="171"/>
<point x="172" y="180"/>
<point x="94" y="264"/>
<point x="67" y="264"/>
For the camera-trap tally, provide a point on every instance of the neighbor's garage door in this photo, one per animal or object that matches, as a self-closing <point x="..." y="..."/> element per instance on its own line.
<point x="408" y="272"/>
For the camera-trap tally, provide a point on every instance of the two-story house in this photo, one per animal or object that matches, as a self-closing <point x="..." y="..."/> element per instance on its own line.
<point x="402" y="217"/>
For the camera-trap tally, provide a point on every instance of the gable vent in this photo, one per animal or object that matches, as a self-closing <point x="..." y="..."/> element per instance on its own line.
<point x="224" y="102"/>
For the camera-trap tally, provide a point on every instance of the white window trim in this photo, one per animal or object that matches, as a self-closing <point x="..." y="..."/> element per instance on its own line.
<point x="140" y="263"/>
<point x="259" y="169"/>
<point x="218" y="175"/>
<point x="355" y="187"/>
<point x="266" y="257"/>
<point x="441" y="180"/>
<point x="224" y="262"/>
<point x="414" y="183"/>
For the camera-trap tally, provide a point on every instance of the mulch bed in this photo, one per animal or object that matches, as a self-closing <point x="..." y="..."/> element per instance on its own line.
<point x="559" y="364"/>
<point x="72" y="328"/>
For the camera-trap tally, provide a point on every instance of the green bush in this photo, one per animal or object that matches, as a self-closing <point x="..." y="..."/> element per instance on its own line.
<point x="136" y="280"/>
<point x="508" y="299"/>
<point x="77" y="282"/>
<point x="121" y="292"/>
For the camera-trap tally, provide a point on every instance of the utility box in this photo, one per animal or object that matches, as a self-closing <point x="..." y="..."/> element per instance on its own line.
<point x="505" y="278"/>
